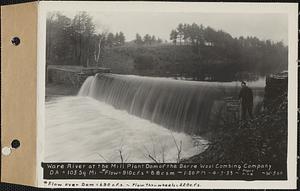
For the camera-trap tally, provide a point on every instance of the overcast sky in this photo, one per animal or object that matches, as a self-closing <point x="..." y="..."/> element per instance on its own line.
<point x="264" y="26"/>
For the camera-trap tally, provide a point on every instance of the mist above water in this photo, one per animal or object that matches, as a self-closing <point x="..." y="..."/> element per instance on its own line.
<point x="82" y="129"/>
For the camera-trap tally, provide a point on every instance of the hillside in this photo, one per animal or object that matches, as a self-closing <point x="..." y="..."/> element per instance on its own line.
<point x="208" y="62"/>
<point x="194" y="51"/>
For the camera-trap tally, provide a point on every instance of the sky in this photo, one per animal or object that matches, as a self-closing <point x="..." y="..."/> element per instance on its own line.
<point x="265" y="26"/>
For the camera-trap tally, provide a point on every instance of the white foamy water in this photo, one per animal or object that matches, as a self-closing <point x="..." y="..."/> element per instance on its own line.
<point x="82" y="129"/>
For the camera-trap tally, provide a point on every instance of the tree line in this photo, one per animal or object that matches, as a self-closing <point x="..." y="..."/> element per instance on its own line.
<point x="234" y="55"/>
<point x="198" y="52"/>
<point x="198" y="35"/>
<point x="117" y="39"/>
<point x="147" y="39"/>
<point x="75" y="41"/>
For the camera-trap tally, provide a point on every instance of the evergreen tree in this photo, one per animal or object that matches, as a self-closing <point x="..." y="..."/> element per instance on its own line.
<point x="174" y="36"/>
<point x="138" y="39"/>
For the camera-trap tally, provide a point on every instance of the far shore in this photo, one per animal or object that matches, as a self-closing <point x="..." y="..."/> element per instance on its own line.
<point x="59" y="90"/>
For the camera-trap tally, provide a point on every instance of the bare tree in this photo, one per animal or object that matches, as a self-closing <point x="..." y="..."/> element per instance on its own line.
<point x="178" y="147"/>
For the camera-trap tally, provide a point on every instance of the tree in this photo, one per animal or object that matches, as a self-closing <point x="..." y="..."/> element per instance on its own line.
<point x="121" y="39"/>
<point x="110" y="39"/>
<point x="58" y="38"/>
<point x="100" y="41"/>
<point x="200" y="35"/>
<point x="138" y="39"/>
<point x="222" y="56"/>
<point x="210" y="34"/>
<point x="84" y="29"/>
<point x="116" y="39"/>
<point x="73" y="41"/>
<point x="180" y="32"/>
<point x="159" y="40"/>
<point x="58" y="33"/>
<point x="173" y="36"/>
<point x="143" y="63"/>
<point x="147" y="39"/>
<point x="153" y="39"/>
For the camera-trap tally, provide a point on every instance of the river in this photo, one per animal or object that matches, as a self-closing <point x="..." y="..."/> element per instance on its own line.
<point x="119" y="118"/>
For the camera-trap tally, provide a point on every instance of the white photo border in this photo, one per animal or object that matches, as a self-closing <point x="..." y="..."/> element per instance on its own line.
<point x="291" y="9"/>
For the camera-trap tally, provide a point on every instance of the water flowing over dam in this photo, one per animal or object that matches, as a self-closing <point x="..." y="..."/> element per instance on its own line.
<point x="135" y="117"/>
<point x="184" y="106"/>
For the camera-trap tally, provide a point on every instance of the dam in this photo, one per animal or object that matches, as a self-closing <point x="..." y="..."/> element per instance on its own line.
<point x="184" y="106"/>
<point x="127" y="118"/>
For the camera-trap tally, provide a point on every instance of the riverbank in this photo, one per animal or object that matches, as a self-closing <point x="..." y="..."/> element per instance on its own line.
<point x="57" y="90"/>
<point x="263" y="139"/>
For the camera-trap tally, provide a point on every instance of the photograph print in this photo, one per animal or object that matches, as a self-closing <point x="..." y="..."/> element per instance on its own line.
<point x="168" y="87"/>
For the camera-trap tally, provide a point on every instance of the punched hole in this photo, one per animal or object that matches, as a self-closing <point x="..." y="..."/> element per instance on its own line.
<point x="15" y="144"/>
<point x="15" y="41"/>
<point x="6" y="151"/>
